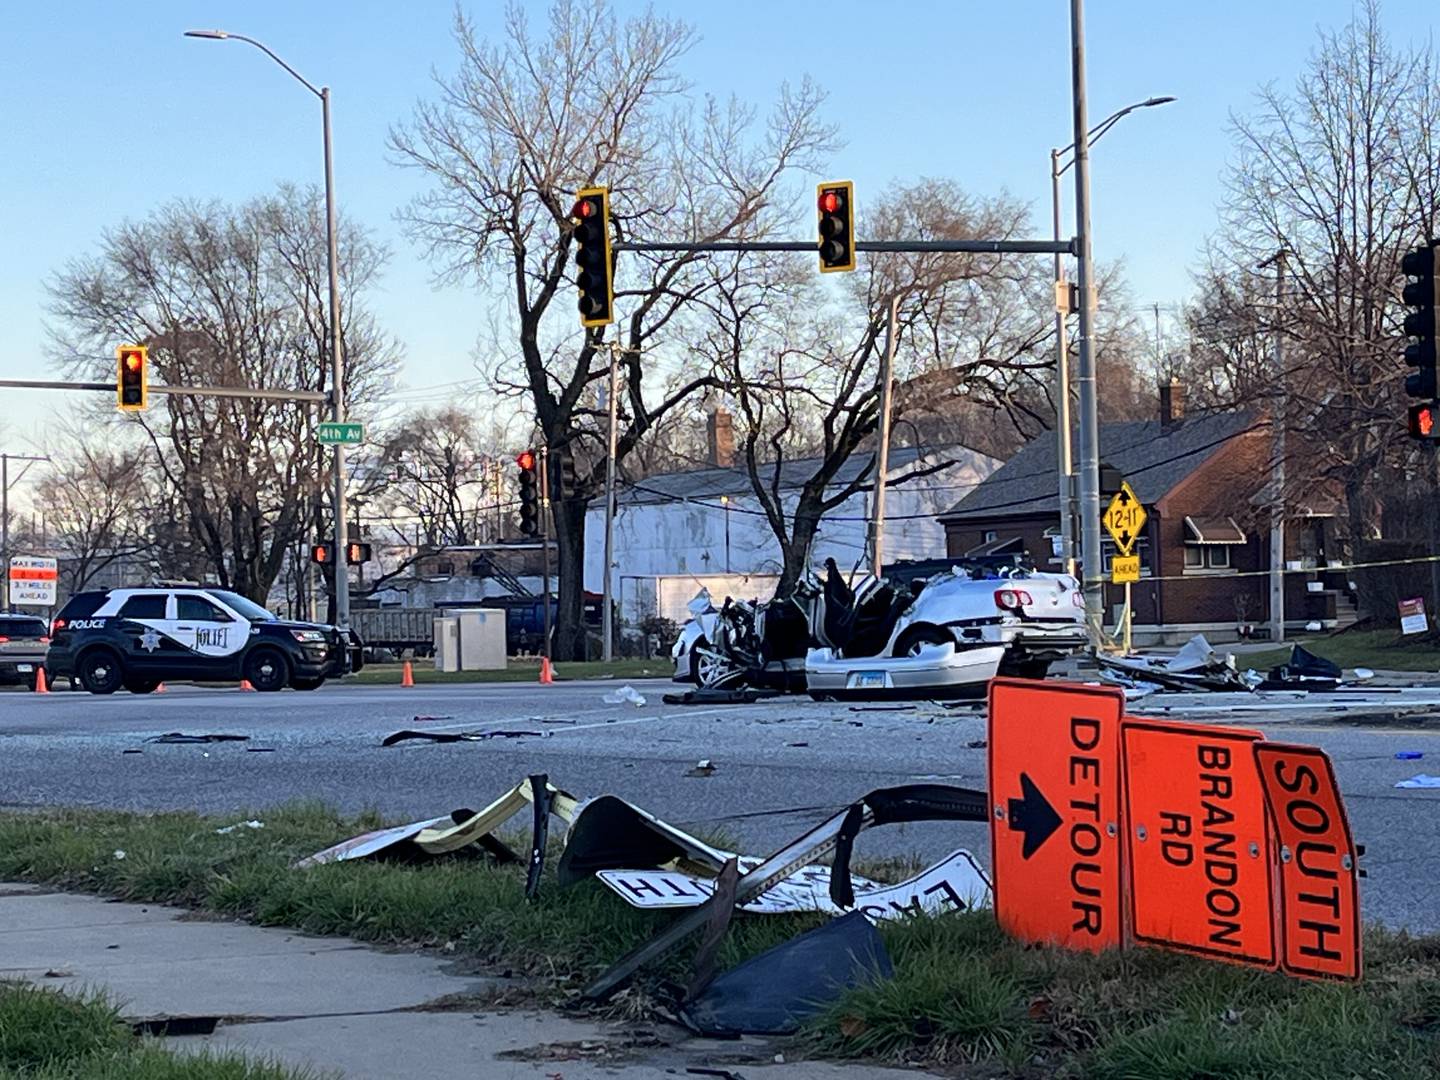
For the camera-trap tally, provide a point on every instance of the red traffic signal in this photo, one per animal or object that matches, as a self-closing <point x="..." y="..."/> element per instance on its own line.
<point x="1421" y="421"/>
<point x="526" y="460"/>
<point x="835" y="203"/>
<point x="357" y="552"/>
<point x="130" y="382"/>
<point x="596" y="274"/>
<point x="323" y="554"/>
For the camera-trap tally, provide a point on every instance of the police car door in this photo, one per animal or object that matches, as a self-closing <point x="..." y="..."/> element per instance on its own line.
<point x="211" y="632"/>
<point x="144" y="621"/>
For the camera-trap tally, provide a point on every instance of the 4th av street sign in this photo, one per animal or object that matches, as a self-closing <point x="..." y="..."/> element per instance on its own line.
<point x="1124" y="519"/>
<point x="333" y="433"/>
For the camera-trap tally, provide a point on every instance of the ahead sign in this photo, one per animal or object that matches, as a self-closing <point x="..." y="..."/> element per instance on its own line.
<point x="33" y="580"/>
<point x="1055" y="819"/>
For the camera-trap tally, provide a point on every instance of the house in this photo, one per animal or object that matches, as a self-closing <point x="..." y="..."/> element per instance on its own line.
<point x="678" y="532"/>
<point x="1205" y="550"/>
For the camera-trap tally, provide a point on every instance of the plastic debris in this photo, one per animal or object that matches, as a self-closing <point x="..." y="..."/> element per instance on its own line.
<point x="1420" y="780"/>
<point x="251" y="824"/>
<point x="459" y="736"/>
<point x="626" y="695"/>
<point x="119" y="853"/>
<point x="703" y="767"/>
<point x="181" y="737"/>
<point x="1408" y="755"/>
<point x="1363" y="674"/>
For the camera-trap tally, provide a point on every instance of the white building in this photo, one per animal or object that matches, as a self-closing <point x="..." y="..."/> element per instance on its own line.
<point x="678" y="532"/>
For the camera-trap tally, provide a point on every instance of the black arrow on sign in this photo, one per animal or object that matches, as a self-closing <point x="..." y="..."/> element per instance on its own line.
<point x="1123" y="496"/>
<point x="1125" y="540"/>
<point x="1032" y="815"/>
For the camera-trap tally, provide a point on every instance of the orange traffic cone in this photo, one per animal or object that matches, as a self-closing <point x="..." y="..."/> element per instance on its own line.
<point x="245" y="685"/>
<point x="547" y="674"/>
<point x="40" y="687"/>
<point x="407" y="676"/>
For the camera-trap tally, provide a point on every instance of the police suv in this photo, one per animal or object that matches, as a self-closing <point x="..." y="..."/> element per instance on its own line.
<point x="138" y="638"/>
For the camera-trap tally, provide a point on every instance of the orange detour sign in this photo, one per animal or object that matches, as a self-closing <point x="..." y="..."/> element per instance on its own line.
<point x="1319" y="887"/>
<point x="1196" y="842"/>
<point x="1055" y="819"/>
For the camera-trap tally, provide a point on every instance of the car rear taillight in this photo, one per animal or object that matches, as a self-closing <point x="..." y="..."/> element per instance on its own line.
<point x="1012" y="599"/>
<point x="3" y="639"/>
<point x="44" y="641"/>
<point x="57" y="626"/>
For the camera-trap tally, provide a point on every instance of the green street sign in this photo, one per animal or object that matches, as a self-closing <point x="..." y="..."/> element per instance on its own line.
<point x="332" y="433"/>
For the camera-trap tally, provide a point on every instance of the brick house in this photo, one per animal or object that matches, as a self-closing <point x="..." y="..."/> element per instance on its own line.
<point x="1205" y="551"/>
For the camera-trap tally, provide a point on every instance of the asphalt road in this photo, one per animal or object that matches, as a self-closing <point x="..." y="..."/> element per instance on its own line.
<point x="779" y="766"/>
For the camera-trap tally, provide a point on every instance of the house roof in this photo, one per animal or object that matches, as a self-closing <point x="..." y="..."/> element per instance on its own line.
<point x="712" y="483"/>
<point x="1153" y="457"/>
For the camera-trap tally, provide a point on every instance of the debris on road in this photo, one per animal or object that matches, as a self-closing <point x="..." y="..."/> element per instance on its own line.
<point x="429" y="719"/>
<point x="883" y="708"/>
<point x="1408" y="755"/>
<point x="1420" y="780"/>
<point x="703" y="767"/>
<point x="251" y="824"/>
<point x="713" y="696"/>
<point x="119" y="853"/>
<point x="1197" y="666"/>
<point x="775" y="992"/>
<point x="181" y="737"/>
<point x="1303" y="671"/>
<point x="459" y="736"/>
<point x="626" y="695"/>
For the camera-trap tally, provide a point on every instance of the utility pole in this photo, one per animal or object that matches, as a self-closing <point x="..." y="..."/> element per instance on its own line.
<point x="607" y="618"/>
<point x="882" y="447"/>
<point x="1093" y="565"/>
<point x="5" y="460"/>
<point x="1277" y="465"/>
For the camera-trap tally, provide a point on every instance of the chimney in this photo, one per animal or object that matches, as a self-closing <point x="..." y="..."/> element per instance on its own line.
<point x="720" y="434"/>
<point x="1172" y="403"/>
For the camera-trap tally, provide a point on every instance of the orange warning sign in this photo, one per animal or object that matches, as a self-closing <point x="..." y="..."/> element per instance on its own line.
<point x="1319" y="886"/>
<point x="1055" y="819"/>
<point x="1196" y="843"/>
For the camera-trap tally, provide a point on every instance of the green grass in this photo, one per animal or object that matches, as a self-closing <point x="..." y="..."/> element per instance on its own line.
<point x="1384" y="650"/>
<point x="46" y="1035"/>
<point x="964" y="997"/>
<point x="518" y="671"/>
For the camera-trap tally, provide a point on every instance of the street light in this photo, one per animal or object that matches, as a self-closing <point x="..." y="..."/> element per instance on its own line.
<point x="337" y="357"/>
<point x="1064" y="446"/>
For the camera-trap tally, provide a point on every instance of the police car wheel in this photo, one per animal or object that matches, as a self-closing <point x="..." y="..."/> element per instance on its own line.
<point x="267" y="670"/>
<point x="101" y="672"/>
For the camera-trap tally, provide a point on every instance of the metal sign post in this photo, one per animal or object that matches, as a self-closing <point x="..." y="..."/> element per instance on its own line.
<point x="545" y="546"/>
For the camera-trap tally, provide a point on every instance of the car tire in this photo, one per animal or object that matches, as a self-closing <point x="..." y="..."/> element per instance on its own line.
<point x="910" y="641"/>
<point x="267" y="670"/>
<point x="697" y="644"/>
<point x="297" y="683"/>
<point x="101" y="671"/>
<point x="141" y="686"/>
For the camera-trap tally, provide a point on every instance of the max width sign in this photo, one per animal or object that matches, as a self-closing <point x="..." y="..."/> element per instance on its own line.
<point x="32" y="581"/>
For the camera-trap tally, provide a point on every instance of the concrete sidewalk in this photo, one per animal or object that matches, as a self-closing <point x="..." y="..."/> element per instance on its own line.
<point x="342" y="1007"/>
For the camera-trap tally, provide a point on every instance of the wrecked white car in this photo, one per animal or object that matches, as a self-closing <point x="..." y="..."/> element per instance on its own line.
<point x="945" y="636"/>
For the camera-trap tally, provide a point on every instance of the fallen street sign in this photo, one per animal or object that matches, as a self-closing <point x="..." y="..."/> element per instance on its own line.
<point x="1319" y="876"/>
<point x="1197" y="845"/>
<point x="955" y="883"/>
<point x="1124" y="519"/>
<point x="1124" y="569"/>
<point x="333" y="433"/>
<point x="1054" y="775"/>
<point x="33" y="580"/>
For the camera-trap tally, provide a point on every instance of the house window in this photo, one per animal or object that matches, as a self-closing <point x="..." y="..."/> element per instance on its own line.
<point x="1207" y="557"/>
<point x="1194" y="557"/>
<point x="990" y="536"/>
<point x="1141" y="548"/>
<point x="445" y="569"/>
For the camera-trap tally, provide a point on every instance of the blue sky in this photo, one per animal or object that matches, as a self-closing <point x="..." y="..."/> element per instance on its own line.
<point x="109" y="112"/>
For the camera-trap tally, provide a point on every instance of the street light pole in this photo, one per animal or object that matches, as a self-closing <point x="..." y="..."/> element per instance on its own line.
<point x="337" y="351"/>
<point x="1065" y="455"/>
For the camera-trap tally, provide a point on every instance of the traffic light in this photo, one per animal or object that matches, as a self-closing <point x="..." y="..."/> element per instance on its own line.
<point x="357" y="552"/>
<point x="836" y="207"/>
<point x="596" y="277"/>
<point x="529" y="495"/>
<point x="322" y="554"/>
<point x="130" y="383"/>
<point x="1422" y="296"/>
<point x="566" y="464"/>
<point x="1421" y="421"/>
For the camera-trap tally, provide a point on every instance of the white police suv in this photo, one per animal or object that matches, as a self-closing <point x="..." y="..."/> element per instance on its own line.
<point x="139" y="638"/>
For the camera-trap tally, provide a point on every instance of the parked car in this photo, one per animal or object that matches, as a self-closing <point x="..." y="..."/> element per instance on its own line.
<point x="23" y="641"/>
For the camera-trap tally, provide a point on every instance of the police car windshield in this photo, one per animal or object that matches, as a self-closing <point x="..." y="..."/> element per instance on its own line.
<point x="248" y="608"/>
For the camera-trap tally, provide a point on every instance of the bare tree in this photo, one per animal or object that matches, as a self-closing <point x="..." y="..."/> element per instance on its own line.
<point x="229" y="296"/>
<point x="1340" y="173"/>
<point x="433" y="470"/>
<point x="513" y="134"/>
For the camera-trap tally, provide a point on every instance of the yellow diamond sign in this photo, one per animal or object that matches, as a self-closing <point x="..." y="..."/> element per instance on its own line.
<point x="1124" y="519"/>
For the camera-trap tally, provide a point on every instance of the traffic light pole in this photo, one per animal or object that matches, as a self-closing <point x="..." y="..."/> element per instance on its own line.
<point x="607" y="619"/>
<point x="882" y="445"/>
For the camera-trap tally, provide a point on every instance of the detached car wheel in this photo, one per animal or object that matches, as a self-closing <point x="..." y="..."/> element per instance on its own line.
<point x="101" y="672"/>
<point x="267" y="670"/>
<point x="141" y="686"/>
<point x="298" y="683"/>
